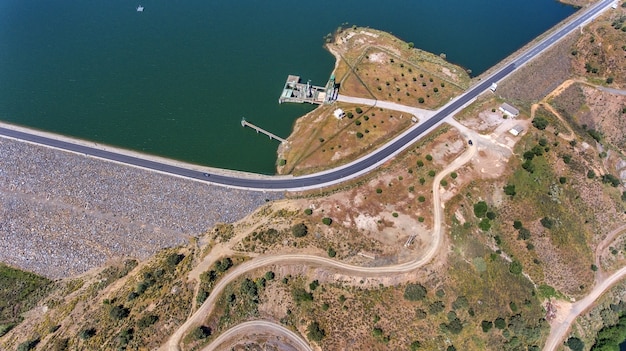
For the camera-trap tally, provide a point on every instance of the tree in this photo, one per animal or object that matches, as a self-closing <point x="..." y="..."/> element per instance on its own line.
<point x="484" y="225"/>
<point x="523" y="234"/>
<point x="480" y="209"/>
<point x="299" y="230"/>
<point x="300" y="295"/>
<point x="509" y="189"/>
<point x="331" y="252"/>
<point x="314" y="332"/>
<point x="28" y="345"/>
<point x="359" y="110"/>
<point x="591" y="174"/>
<point x="147" y="321"/>
<point x="87" y="333"/>
<point x="420" y="100"/>
<point x="420" y="163"/>
<point x="201" y="332"/>
<point x="431" y="173"/>
<point x="486" y="325"/>
<point x="414" y="292"/>
<point x="575" y="344"/>
<point x="547" y="222"/>
<point x="515" y="267"/>
<point x="269" y="275"/>
<point x="415" y="345"/>
<point x="308" y="211"/>
<point x="174" y="259"/>
<point x="248" y="287"/>
<point x="327" y="221"/>
<point x="119" y="312"/>
<point x="562" y="180"/>
<point x="359" y="135"/>
<point x="517" y="225"/>
<point x="491" y="215"/>
<point x="540" y="122"/>
<point x="429" y="157"/>
<point x="499" y="323"/>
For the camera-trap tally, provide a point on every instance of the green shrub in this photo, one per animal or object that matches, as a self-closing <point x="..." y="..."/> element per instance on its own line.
<point x="308" y="211"/>
<point x="379" y="191"/>
<point x="499" y="323"/>
<point x="359" y="135"/>
<point x="28" y="345"/>
<point x="431" y="173"/>
<point x="119" y="312"/>
<point x="359" y="110"/>
<point x="269" y="275"/>
<point x="509" y="189"/>
<point x="331" y="252"/>
<point x="453" y="175"/>
<point x="421" y="199"/>
<point x="299" y="230"/>
<point x="414" y="292"/>
<point x="420" y="163"/>
<point x="201" y="332"/>
<point x="486" y="325"/>
<point x="480" y="209"/>
<point x="547" y="222"/>
<point x="315" y="332"/>
<point x="515" y="267"/>
<point x="540" y="122"/>
<point x="147" y="321"/>
<point x="429" y="157"/>
<point x="484" y="225"/>
<point x="87" y="333"/>
<point x="395" y="214"/>
<point x="174" y="259"/>
<point x="327" y="221"/>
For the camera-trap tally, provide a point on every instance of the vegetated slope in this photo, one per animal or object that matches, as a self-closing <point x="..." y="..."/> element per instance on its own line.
<point x="19" y="292"/>
<point x="122" y="306"/>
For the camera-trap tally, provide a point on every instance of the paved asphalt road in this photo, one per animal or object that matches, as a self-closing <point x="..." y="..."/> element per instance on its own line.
<point x="341" y="173"/>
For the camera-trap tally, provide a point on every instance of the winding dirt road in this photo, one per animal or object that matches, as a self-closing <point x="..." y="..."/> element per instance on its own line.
<point x="309" y="260"/>
<point x="225" y="340"/>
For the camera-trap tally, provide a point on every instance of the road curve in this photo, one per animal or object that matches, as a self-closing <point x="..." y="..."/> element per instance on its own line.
<point x="209" y="303"/>
<point x="254" y="327"/>
<point x="345" y="172"/>
<point x="558" y="333"/>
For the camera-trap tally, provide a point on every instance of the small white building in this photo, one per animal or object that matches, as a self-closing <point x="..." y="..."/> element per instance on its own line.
<point x="516" y="130"/>
<point x="339" y="114"/>
<point x="509" y="110"/>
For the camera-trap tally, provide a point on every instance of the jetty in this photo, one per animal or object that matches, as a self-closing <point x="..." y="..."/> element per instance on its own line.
<point x="295" y="91"/>
<point x="245" y="123"/>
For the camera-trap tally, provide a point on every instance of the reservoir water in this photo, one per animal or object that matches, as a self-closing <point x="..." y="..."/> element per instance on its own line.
<point x="176" y="79"/>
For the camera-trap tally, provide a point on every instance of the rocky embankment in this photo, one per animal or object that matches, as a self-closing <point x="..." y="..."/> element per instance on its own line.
<point x="62" y="214"/>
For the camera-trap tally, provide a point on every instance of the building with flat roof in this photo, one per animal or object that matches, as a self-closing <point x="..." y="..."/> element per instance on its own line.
<point x="338" y="113"/>
<point x="516" y="130"/>
<point x="509" y="110"/>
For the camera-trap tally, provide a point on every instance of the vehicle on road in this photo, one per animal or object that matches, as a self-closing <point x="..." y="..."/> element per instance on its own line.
<point x="206" y="174"/>
<point x="470" y="142"/>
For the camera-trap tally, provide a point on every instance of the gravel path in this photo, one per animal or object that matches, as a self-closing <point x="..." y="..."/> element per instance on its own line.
<point x="62" y="214"/>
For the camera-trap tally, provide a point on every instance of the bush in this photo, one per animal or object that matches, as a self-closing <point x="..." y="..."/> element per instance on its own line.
<point x="379" y="191"/>
<point x="282" y="162"/>
<point x="562" y="180"/>
<point x="515" y="267"/>
<point x="314" y="284"/>
<point x="453" y="175"/>
<point x="395" y="214"/>
<point x="415" y="345"/>
<point x="414" y="292"/>
<point x="28" y="345"/>
<point x="87" y="333"/>
<point x="359" y="110"/>
<point x="540" y="123"/>
<point x="575" y="344"/>
<point x="591" y="174"/>
<point x="431" y="173"/>
<point x="491" y="215"/>
<point x="299" y="230"/>
<point x="422" y="181"/>
<point x="147" y="321"/>
<point x="420" y="163"/>
<point x="611" y="179"/>
<point x="480" y="209"/>
<point x="547" y="222"/>
<point x="269" y="275"/>
<point x="517" y="224"/>
<point x="486" y="325"/>
<point x="308" y="211"/>
<point x="499" y="323"/>
<point x="119" y="312"/>
<point x="594" y="268"/>
<point x="201" y="332"/>
<point x="436" y="307"/>
<point x="484" y="225"/>
<point x="174" y="259"/>
<point x="509" y="189"/>
<point x="314" y="332"/>
<point x="331" y="252"/>
<point x="429" y="157"/>
<point x="444" y="182"/>
<point x="420" y="100"/>
<point x="421" y="199"/>
<point x="359" y="135"/>
<point x="524" y="234"/>
<point x="300" y="295"/>
<point x="327" y="221"/>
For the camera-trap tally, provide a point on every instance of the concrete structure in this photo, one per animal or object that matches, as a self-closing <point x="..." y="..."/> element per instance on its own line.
<point x="339" y="114"/>
<point x="245" y="123"/>
<point x="294" y="91"/>
<point x="509" y="110"/>
<point x="516" y="130"/>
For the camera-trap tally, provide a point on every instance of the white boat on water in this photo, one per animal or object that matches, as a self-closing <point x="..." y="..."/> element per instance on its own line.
<point x="139" y="8"/>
